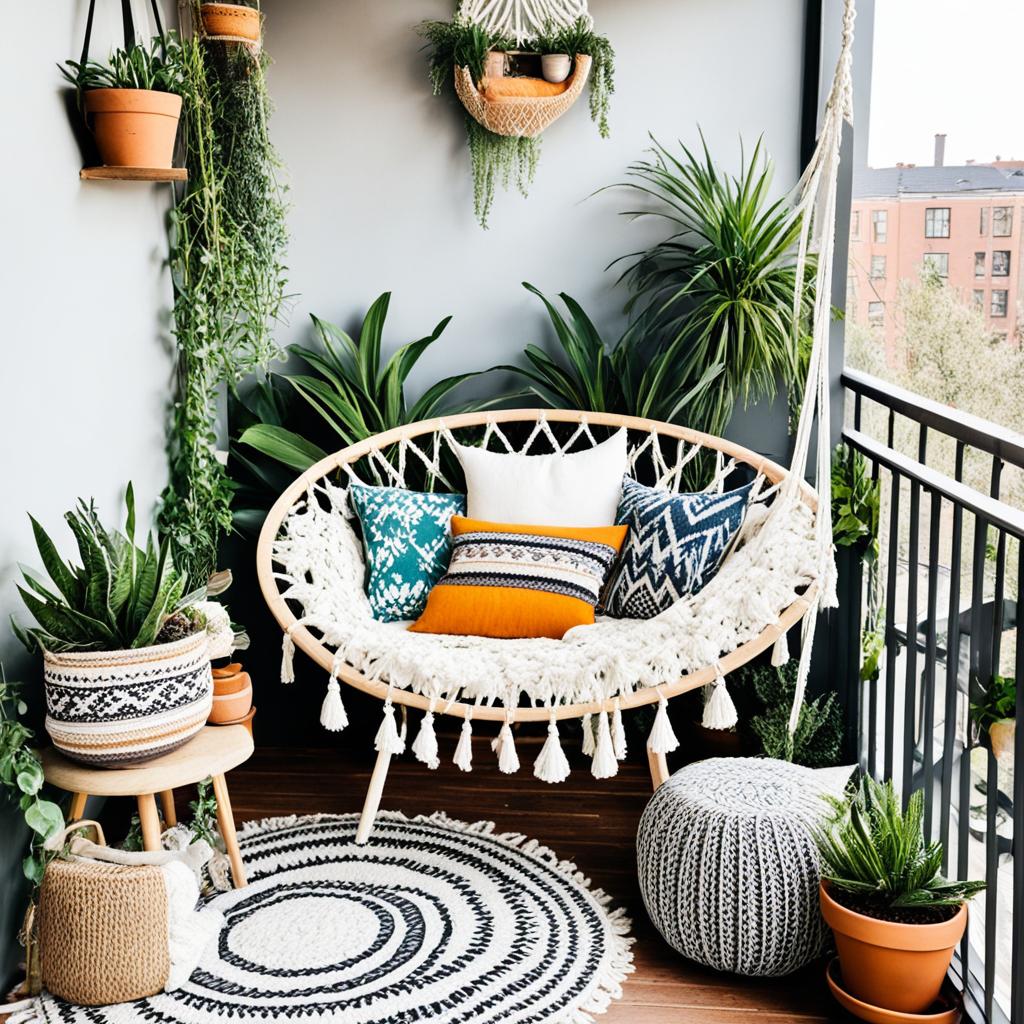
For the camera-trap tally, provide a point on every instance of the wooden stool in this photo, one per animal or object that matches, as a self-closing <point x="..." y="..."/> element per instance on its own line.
<point x="214" y="751"/>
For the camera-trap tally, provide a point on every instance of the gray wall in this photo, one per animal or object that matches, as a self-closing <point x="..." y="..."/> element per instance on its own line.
<point x="380" y="170"/>
<point x="86" y="369"/>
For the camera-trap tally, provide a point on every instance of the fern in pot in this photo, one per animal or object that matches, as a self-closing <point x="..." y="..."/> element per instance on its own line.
<point x="895" y="918"/>
<point x="124" y="645"/>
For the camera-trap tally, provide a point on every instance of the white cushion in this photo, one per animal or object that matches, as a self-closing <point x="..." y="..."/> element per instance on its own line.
<point x="581" y="489"/>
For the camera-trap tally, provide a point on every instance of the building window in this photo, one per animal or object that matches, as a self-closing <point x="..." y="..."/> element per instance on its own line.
<point x="877" y="268"/>
<point x="999" y="299"/>
<point x="979" y="298"/>
<point x="880" y="226"/>
<point x="936" y="222"/>
<point x="855" y="225"/>
<point x="979" y="264"/>
<point x="938" y="262"/>
<point x="876" y="313"/>
<point x="1001" y="263"/>
<point x="983" y="221"/>
<point x="1002" y="221"/>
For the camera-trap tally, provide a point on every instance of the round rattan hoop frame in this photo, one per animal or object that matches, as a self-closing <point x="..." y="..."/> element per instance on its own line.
<point x="307" y="642"/>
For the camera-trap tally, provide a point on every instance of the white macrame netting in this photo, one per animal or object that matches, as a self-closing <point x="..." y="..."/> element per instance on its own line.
<point x="523" y="19"/>
<point x="784" y="548"/>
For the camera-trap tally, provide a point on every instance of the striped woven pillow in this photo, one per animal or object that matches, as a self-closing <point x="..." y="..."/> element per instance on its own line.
<point x="520" y="581"/>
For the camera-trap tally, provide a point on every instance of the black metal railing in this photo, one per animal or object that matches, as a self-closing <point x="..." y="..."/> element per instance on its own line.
<point x="942" y="600"/>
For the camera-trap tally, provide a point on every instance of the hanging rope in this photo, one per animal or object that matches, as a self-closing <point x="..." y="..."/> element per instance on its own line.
<point x="523" y="19"/>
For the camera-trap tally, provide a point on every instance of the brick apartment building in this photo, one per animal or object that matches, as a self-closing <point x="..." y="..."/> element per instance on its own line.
<point x="965" y="222"/>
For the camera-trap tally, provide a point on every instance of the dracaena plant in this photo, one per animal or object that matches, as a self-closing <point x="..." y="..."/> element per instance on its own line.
<point x="121" y="595"/>
<point x="875" y="852"/>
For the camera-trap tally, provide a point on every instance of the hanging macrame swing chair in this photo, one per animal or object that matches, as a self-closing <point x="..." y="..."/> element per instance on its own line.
<point x="521" y="20"/>
<point x="779" y="573"/>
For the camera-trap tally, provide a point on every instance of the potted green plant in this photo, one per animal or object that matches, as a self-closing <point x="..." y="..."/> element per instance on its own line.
<point x="133" y="101"/>
<point x="895" y="918"/>
<point x="125" y="648"/>
<point x="240" y="21"/>
<point x="996" y="714"/>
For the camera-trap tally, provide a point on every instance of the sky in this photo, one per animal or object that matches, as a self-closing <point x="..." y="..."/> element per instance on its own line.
<point x="946" y="66"/>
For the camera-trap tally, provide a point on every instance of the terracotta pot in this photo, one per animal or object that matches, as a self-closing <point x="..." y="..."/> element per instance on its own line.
<point x="232" y="694"/>
<point x="894" y="966"/>
<point x="134" y="127"/>
<point x="555" y="67"/>
<point x="1001" y="735"/>
<point x="245" y="720"/>
<point x="229" y="679"/>
<point x="233" y="20"/>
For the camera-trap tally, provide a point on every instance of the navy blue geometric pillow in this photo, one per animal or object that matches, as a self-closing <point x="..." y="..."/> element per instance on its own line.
<point x="674" y="546"/>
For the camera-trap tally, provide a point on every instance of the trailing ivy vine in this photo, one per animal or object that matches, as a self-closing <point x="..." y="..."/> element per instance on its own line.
<point x="227" y="240"/>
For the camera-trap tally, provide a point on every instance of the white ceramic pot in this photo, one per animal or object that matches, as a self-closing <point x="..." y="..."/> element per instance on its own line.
<point x="117" y="708"/>
<point x="555" y="67"/>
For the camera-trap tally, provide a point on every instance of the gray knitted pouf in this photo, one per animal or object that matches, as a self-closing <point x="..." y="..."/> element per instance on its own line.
<point x="727" y="865"/>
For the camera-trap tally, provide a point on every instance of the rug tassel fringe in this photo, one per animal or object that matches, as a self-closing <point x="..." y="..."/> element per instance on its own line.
<point x="603" y="765"/>
<point x="287" y="659"/>
<point x="662" y="739"/>
<point x="588" y="735"/>
<point x="464" y="750"/>
<point x="425" y="745"/>
<point x="388" y="740"/>
<point x="552" y="765"/>
<point x="332" y="711"/>
<point x="618" y="734"/>
<point x="719" y="710"/>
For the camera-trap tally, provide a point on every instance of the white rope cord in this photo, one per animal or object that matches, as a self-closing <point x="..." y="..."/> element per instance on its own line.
<point x="523" y="19"/>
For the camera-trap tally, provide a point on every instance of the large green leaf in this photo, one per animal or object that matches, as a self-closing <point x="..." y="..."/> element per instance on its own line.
<point x="283" y="445"/>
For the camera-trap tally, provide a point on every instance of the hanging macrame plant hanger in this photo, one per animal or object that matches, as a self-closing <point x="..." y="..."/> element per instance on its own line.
<point x="521" y="20"/>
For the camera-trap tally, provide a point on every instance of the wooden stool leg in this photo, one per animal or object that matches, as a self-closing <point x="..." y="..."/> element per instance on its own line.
<point x="373" y="795"/>
<point x="659" y="768"/>
<point x="150" y="821"/>
<point x="77" y="808"/>
<point x="226" y="821"/>
<point x="167" y="806"/>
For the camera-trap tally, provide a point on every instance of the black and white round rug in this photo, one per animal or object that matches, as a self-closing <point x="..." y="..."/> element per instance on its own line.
<point x="433" y="921"/>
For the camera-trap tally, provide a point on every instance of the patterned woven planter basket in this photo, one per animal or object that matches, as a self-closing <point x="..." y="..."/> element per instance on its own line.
<point x="522" y="117"/>
<point x="117" y="708"/>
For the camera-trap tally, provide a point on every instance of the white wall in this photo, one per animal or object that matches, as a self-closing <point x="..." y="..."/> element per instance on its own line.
<point x="380" y="170"/>
<point x="86" y="372"/>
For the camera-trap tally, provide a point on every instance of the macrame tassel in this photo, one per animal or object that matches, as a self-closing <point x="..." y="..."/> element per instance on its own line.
<point x="464" y="750"/>
<point x="603" y="765"/>
<point x="618" y="734"/>
<point x="588" y="735"/>
<point x="780" y="651"/>
<point x="332" y="711"/>
<point x="287" y="659"/>
<point x="551" y="765"/>
<point x="425" y="745"/>
<point x="388" y="741"/>
<point x="662" y="739"/>
<point x="508" y="759"/>
<point x="719" y="710"/>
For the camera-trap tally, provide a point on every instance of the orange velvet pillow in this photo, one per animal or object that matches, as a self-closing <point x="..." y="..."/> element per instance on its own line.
<point x="507" y="88"/>
<point x="520" y="581"/>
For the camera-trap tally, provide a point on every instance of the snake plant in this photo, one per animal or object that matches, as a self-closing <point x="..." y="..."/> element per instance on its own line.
<point x="121" y="596"/>
<point x="876" y="852"/>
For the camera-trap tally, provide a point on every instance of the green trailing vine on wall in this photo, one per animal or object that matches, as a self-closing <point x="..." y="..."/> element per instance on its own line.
<point x="227" y="240"/>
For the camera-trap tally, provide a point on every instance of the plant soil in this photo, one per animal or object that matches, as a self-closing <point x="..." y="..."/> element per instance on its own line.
<point x="177" y="627"/>
<point x="871" y="906"/>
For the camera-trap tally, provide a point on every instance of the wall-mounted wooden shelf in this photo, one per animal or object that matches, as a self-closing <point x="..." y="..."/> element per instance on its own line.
<point x="134" y="173"/>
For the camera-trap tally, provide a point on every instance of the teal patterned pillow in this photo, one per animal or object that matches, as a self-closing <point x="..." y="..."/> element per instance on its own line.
<point x="408" y="543"/>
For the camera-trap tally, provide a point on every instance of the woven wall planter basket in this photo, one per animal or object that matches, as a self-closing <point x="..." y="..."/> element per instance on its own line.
<point x="116" y="708"/>
<point x="520" y="116"/>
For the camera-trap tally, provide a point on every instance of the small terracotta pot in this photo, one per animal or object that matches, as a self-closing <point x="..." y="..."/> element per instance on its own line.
<point x="230" y="707"/>
<point x="555" y="67"/>
<point x="234" y="20"/>
<point x="134" y="127"/>
<point x="895" y="966"/>
<point x="1001" y="735"/>
<point x="229" y="679"/>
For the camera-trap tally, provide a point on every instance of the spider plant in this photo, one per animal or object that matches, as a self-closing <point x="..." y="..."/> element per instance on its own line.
<point x="876" y="853"/>
<point x="719" y="290"/>
<point x="627" y="377"/>
<point x="457" y="44"/>
<point x="159" y="67"/>
<point x="352" y="391"/>
<point x="580" y="37"/>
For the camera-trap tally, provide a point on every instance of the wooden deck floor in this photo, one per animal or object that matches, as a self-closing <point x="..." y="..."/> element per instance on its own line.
<point x="592" y="823"/>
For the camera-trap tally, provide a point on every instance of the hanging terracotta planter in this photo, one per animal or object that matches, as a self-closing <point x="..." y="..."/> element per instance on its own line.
<point x="231" y="21"/>
<point x="888" y="964"/>
<point x="133" y="127"/>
